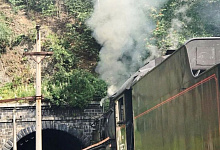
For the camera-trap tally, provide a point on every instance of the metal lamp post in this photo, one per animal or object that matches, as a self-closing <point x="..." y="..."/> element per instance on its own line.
<point x="38" y="60"/>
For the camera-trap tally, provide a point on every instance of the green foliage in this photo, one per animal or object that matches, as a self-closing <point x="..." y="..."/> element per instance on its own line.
<point x="80" y="9"/>
<point x="17" y="4"/>
<point x="177" y="22"/>
<point x="17" y="40"/>
<point x="63" y="60"/>
<point x="209" y="15"/>
<point x="16" y="89"/>
<point x="5" y="33"/>
<point x="76" y="88"/>
<point x="78" y="35"/>
<point x="81" y="41"/>
<point x="69" y="85"/>
<point x="46" y="7"/>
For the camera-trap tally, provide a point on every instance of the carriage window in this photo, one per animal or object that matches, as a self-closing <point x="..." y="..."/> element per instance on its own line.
<point x="121" y="111"/>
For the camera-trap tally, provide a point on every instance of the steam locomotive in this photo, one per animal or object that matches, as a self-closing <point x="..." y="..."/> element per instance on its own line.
<point x="171" y="103"/>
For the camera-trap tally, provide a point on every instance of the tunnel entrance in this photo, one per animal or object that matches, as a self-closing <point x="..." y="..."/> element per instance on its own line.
<point x="51" y="140"/>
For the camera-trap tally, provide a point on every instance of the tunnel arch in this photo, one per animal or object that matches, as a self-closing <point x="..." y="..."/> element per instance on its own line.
<point x="47" y="127"/>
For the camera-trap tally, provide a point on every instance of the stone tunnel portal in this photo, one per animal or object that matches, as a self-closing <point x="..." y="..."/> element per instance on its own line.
<point x="52" y="139"/>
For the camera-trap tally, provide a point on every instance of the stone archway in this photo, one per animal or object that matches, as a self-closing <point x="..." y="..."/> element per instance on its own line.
<point x="49" y="126"/>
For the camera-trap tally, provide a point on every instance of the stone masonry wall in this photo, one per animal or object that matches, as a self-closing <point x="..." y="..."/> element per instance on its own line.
<point x="60" y="118"/>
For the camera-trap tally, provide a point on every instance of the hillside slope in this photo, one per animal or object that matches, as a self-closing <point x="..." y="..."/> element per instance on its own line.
<point x="75" y="56"/>
<point x="22" y="24"/>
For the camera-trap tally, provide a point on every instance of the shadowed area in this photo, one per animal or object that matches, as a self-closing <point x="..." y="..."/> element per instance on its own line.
<point x="52" y="140"/>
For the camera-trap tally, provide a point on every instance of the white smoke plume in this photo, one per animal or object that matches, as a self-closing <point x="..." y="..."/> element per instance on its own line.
<point x="121" y="27"/>
<point x="180" y="21"/>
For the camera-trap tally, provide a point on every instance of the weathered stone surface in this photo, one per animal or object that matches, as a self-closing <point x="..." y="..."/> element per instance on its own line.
<point x="10" y="142"/>
<point x="72" y="121"/>
<point x="4" y="148"/>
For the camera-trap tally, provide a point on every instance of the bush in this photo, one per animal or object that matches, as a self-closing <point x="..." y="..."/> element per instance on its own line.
<point x="5" y="33"/>
<point x="46" y="7"/>
<point x="79" y="36"/>
<point x="63" y="60"/>
<point x="16" y="89"/>
<point x="176" y="22"/>
<point x="76" y="89"/>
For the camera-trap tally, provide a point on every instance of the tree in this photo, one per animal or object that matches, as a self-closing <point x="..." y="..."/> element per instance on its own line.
<point x="178" y="21"/>
<point x="76" y="88"/>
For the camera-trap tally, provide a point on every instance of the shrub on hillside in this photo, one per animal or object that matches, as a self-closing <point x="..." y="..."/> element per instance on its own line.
<point x="5" y="34"/>
<point x="76" y="88"/>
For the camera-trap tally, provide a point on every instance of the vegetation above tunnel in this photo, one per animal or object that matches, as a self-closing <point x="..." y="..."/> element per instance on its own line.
<point x="70" y="76"/>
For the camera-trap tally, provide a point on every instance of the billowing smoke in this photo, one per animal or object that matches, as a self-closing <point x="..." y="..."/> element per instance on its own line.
<point x="180" y="21"/>
<point x="121" y="27"/>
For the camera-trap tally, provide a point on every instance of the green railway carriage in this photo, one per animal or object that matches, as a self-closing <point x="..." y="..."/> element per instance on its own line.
<point x="172" y="103"/>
